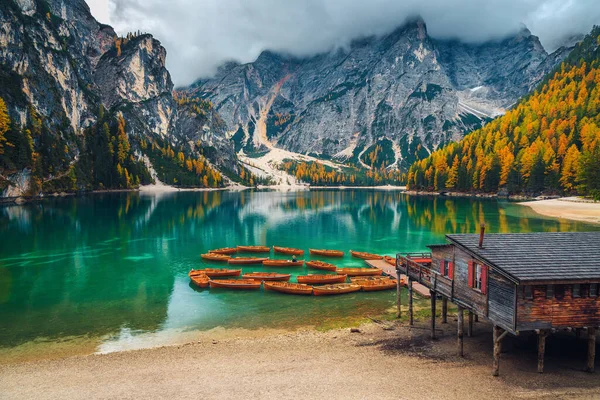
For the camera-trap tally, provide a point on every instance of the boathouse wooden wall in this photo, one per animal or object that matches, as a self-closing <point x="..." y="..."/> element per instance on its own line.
<point x="560" y="311"/>
<point x="472" y="298"/>
<point x="501" y="300"/>
<point x="438" y="256"/>
<point x="498" y="304"/>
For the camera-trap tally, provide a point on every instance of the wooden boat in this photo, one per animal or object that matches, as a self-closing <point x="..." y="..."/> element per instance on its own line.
<point x="321" y="279"/>
<point x="224" y="250"/>
<point x="359" y="271"/>
<point x="289" y="288"/>
<point x="283" y="263"/>
<point x="390" y="260"/>
<point x="321" y="265"/>
<point x="254" y="249"/>
<point x="338" y="288"/>
<point x="235" y="283"/>
<point x="421" y="260"/>
<point x="326" y="253"/>
<point x="247" y="260"/>
<point x="212" y="272"/>
<point x="200" y="280"/>
<point x="266" y="276"/>
<point x="215" y="257"/>
<point x="288" y="250"/>
<point x="365" y="256"/>
<point x="376" y="284"/>
<point x="371" y="278"/>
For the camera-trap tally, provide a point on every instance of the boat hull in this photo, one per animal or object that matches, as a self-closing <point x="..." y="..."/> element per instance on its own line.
<point x="215" y="272"/>
<point x="321" y="265"/>
<point x="246" y="261"/>
<point x="215" y="257"/>
<point x="375" y="285"/>
<point x="200" y="280"/>
<point x="225" y="250"/>
<point x="268" y="277"/>
<point x="326" y="253"/>
<point x="289" y="288"/>
<point x="280" y="263"/>
<point x="359" y="271"/>
<point x="235" y="284"/>
<point x="288" y="250"/>
<point x="321" y="279"/>
<point x="339" y="288"/>
<point x="377" y="288"/>
<point x="390" y="260"/>
<point x="254" y="249"/>
<point x="365" y="256"/>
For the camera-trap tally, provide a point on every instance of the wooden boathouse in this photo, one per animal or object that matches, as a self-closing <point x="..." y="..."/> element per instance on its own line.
<point x="541" y="282"/>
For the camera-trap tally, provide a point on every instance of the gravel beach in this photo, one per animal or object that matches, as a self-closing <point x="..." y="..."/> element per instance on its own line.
<point x="374" y="363"/>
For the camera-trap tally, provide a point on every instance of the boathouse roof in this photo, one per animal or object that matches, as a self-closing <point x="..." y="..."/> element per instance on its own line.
<point x="544" y="256"/>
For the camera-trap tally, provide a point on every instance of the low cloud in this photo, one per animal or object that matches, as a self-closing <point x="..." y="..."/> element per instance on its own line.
<point x="200" y="35"/>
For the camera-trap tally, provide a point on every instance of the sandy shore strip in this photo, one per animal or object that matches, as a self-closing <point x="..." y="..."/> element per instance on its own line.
<point x="373" y="364"/>
<point x="569" y="207"/>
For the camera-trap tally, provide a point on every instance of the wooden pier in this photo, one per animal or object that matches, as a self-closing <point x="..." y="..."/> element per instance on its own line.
<point x="391" y="271"/>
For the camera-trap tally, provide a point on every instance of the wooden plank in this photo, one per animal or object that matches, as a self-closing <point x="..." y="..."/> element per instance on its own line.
<point x="384" y="266"/>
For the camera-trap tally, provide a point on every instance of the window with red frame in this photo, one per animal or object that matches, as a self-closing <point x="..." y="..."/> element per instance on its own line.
<point x="478" y="276"/>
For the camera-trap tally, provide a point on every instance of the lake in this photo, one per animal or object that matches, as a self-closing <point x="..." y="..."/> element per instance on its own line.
<point x="108" y="272"/>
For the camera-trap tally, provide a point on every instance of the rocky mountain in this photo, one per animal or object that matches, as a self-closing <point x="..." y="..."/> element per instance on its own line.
<point x="59" y="67"/>
<point x="404" y="92"/>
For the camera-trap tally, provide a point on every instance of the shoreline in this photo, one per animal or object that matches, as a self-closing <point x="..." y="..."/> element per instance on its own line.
<point x="384" y="361"/>
<point x="571" y="208"/>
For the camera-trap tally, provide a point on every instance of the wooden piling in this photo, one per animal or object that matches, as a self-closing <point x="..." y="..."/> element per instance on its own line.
<point x="591" y="349"/>
<point x="444" y="310"/>
<point x="460" y="331"/>
<point x="433" y="299"/>
<point x="410" y="302"/>
<point x="470" y="326"/>
<point x="541" y="349"/>
<point x="398" y="297"/>
<point x="497" y="349"/>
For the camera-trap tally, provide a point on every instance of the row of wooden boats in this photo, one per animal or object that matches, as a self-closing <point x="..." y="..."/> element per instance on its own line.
<point x="225" y="272"/>
<point x="355" y="285"/>
<point x="228" y="251"/>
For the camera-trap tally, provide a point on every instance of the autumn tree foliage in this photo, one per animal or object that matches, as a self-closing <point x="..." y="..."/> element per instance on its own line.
<point x="550" y="141"/>
<point x="177" y="166"/>
<point x="316" y="173"/>
<point x="4" y="124"/>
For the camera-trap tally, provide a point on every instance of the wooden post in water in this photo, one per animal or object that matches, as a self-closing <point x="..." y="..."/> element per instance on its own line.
<point x="591" y="349"/>
<point x="444" y="310"/>
<point x="460" y="330"/>
<point x="410" y="302"/>
<point x="433" y="298"/>
<point x="541" y="349"/>
<point x="470" y="326"/>
<point x="398" y="295"/>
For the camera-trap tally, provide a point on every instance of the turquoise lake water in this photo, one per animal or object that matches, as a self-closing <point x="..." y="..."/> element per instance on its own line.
<point x="112" y="268"/>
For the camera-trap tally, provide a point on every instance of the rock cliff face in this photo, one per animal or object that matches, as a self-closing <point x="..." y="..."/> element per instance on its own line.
<point x="405" y="91"/>
<point x="57" y="59"/>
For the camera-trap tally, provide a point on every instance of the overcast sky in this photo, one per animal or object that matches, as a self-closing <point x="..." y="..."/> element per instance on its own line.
<point x="199" y="35"/>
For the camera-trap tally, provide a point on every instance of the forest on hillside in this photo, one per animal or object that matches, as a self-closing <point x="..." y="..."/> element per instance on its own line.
<point x="316" y="173"/>
<point x="548" y="143"/>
